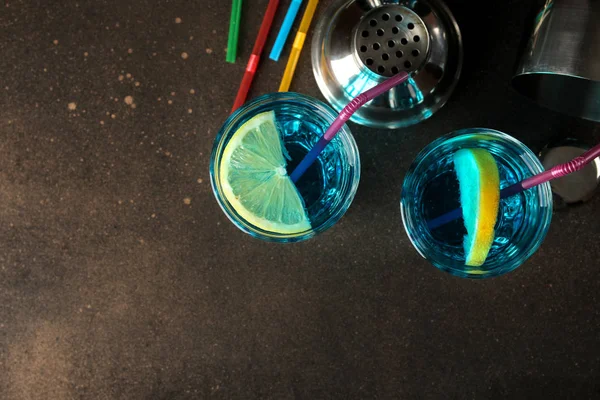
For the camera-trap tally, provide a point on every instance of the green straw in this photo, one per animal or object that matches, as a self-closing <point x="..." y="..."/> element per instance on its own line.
<point x="234" y="30"/>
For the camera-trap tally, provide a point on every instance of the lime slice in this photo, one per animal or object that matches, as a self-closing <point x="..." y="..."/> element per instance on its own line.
<point x="479" y="183"/>
<point x="255" y="181"/>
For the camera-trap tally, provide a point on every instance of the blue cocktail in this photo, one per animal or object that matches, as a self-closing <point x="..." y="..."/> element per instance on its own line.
<point x="431" y="189"/>
<point x="248" y="195"/>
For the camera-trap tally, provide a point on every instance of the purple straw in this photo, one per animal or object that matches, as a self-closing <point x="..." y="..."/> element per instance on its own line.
<point x="341" y="119"/>
<point x="555" y="172"/>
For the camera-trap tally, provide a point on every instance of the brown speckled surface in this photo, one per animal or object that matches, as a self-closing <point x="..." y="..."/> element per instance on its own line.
<point x="120" y="277"/>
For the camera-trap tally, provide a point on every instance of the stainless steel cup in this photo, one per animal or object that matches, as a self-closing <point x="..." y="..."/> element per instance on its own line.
<point x="560" y="66"/>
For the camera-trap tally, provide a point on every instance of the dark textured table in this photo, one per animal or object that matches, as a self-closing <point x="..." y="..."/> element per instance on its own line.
<point x="120" y="277"/>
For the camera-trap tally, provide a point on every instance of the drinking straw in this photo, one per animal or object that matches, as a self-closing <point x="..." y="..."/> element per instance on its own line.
<point x="234" y="30"/>
<point x="265" y="26"/>
<point x="341" y="119"/>
<point x="284" y="31"/>
<point x="297" y="46"/>
<point x="558" y="171"/>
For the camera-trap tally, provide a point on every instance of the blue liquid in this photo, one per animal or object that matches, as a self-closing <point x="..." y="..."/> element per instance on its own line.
<point x="327" y="187"/>
<point x="431" y="189"/>
<point x="319" y="185"/>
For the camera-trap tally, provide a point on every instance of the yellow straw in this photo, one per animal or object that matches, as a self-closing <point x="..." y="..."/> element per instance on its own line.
<point x="297" y="46"/>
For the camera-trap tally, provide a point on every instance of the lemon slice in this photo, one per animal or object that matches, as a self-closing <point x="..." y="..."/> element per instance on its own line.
<point x="479" y="183"/>
<point x="255" y="181"/>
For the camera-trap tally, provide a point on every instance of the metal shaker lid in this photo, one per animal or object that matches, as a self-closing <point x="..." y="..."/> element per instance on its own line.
<point x="357" y="44"/>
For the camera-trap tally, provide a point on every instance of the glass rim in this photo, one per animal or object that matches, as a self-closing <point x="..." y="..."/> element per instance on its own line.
<point x="532" y="163"/>
<point x="349" y="146"/>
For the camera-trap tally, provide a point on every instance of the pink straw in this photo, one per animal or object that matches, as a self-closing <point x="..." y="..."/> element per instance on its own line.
<point x="341" y="119"/>
<point x="563" y="169"/>
<point x="555" y="172"/>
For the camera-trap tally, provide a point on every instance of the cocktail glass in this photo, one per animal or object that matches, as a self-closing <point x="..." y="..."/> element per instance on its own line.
<point x="431" y="189"/>
<point x="327" y="187"/>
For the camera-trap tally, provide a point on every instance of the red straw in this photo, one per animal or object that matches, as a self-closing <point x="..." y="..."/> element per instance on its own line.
<point x="265" y="27"/>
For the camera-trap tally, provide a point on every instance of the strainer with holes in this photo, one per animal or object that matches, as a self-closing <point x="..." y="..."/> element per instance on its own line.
<point x="358" y="44"/>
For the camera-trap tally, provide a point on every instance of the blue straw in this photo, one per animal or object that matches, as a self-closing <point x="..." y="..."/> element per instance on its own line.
<point x="284" y="31"/>
<point x="309" y="159"/>
<point x="457" y="213"/>
<point x="444" y="219"/>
